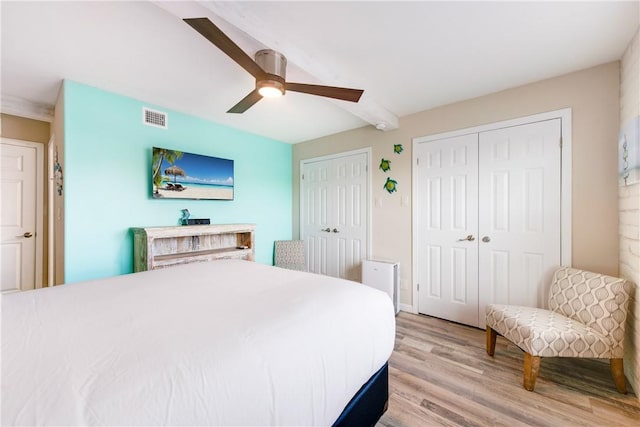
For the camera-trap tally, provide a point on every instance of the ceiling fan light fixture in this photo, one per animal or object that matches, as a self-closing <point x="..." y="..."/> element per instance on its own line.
<point x="268" y="68"/>
<point x="270" y="88"/>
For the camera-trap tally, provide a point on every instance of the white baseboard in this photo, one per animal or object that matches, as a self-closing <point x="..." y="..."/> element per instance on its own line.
<point x="408" y="308"/>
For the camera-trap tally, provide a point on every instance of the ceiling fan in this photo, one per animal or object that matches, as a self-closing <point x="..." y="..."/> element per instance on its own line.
<point x="269" y="69"/>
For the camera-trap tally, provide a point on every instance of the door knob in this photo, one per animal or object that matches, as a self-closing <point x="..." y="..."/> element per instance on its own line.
<point x="327" y="230"/>
<point x="470" y="238"/>
<point x="27" y="235"/>
<point x="335" y="230"/>
<point x="486" y="239"/>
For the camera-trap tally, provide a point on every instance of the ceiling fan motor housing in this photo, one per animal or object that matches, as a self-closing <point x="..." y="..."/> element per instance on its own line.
<point x="274" y="64"/>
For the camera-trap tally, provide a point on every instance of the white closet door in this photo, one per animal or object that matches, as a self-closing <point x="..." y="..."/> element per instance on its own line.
<point x="519" y="222"/>
<point x="349" y="225"/>
<point x="447" y="184"/>
<point x="315" y="213"/>
<point x="503" y="189"/>
<point x="335" y="212"/>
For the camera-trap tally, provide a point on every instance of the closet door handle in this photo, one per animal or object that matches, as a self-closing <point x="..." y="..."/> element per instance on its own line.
<point x="486" y="239"/>
<point x="335" y="230"/>
<point x="326" y="230"/>
<point x="469" y="238"/>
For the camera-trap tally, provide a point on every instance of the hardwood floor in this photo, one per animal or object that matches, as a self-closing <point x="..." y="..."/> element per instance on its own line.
<point x="441" y="375"/>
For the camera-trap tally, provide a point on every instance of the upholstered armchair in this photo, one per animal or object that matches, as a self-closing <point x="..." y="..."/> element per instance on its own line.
<point x="290" y="254"/>
<point x="586" y="318"/>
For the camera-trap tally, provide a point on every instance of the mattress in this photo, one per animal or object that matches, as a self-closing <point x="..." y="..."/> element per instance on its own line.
<point x="228" y="342"/>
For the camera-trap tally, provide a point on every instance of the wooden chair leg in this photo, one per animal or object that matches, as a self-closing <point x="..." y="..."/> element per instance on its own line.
<point x="531" y="368"/>
<point x="491" y="341"/>
<point x="617" y="371"/>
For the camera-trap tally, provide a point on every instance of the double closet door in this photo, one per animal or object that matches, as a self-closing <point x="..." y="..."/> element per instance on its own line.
<point x="334" y="214"/>
<point x="488" y="220"/>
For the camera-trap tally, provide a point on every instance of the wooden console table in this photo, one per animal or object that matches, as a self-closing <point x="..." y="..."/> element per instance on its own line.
<point x="160" y="247"/>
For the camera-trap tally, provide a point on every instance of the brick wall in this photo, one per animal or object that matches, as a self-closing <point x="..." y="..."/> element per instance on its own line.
<point x="629" y="210"/>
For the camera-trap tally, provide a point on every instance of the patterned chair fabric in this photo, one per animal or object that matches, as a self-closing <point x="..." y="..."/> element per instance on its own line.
<point x="586" y="318"/>
<point x="290" y="254"/>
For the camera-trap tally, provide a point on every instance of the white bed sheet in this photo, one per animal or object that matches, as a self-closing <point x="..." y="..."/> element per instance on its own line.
<point x="221" y="343"/>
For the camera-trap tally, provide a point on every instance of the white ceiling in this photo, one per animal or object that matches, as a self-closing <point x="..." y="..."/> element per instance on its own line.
<point x="407" y="56"/>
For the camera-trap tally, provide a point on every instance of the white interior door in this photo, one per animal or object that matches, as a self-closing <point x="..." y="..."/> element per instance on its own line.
<point x="350" y="215"/>
<point x="519" y="210"/>
<point x="315" y="186"/>
<point x="447" y="181"/>
<point x="334" y="202"/>
<point x="502" y="188"/>
<point x="19" y="220"/>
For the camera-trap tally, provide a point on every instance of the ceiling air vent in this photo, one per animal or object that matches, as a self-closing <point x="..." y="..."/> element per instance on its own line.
<point x="154" y="118"/>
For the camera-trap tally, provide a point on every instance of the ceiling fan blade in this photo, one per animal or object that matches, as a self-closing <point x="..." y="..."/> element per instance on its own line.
<point x="343" y="93"/>
<point x="246" y="103"/>
<point x="215" y="35"/>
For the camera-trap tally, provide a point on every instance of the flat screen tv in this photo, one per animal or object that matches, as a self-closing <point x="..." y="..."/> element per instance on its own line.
<point x="179" y="175"/>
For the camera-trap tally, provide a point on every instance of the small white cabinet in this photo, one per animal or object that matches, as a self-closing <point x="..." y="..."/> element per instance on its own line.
<point x="383" y="276"/>
<point x="160" y="247"/>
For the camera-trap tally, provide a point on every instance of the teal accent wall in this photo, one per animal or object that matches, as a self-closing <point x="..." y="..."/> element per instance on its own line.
<point x="108" y="184"/>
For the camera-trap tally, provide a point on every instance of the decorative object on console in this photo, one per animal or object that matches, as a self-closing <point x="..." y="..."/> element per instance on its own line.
<point x="197" y="221"/>
<point x="185" y="216"/>
<point x="200" y="177"/>
<point x="187" y="220"/>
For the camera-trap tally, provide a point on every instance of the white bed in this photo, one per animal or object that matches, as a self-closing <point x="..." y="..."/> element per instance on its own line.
<point x="220" y="343"/>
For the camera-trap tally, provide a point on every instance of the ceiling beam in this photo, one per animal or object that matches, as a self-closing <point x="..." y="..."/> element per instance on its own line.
<point x="238" y="15"/>
<point x="20" y="107"/>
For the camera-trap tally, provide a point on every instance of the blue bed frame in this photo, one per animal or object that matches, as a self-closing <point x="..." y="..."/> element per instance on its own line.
<point x="369" y="403"/>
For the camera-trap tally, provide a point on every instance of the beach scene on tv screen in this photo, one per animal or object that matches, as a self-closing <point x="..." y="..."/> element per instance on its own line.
<point x="180" y="175"/>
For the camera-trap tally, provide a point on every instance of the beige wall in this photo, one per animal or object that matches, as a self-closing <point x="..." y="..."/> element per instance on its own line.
<point x="25" y="129"/>
<point x="35" y="131"/>
<point x="629" y="210"/>
<point x="593" y="95"/>
<point x="57" y="132"/>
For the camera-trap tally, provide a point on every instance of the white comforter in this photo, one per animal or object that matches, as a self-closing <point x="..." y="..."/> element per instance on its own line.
<point x="221" y="343"/>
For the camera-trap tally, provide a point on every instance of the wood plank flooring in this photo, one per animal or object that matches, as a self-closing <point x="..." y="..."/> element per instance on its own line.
<point x="441" y="375"/>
